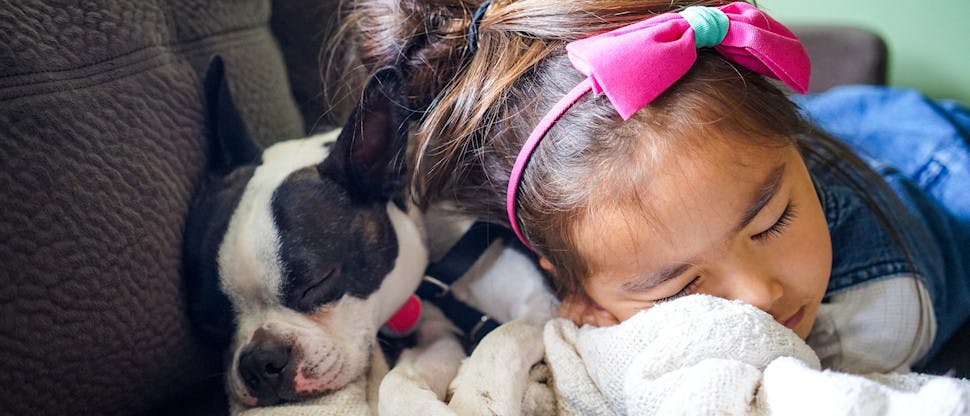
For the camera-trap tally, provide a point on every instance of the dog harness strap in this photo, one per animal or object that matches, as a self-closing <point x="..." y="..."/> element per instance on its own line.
<point x="438" y="279"/>
<point x="440" y="275"/>
<point x="463" y="255"/>
<point x="480" y="329"/>
<point x="472" y="322"/>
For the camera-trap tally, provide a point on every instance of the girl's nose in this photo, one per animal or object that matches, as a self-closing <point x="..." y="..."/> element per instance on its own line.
<point x="754" y="286"/>
<point x="760" y="291"/>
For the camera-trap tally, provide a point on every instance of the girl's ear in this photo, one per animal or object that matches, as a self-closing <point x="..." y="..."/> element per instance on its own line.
<point x="229" y="143"/>
<point x="368" y="156"/>
<point x="547" y="265"/>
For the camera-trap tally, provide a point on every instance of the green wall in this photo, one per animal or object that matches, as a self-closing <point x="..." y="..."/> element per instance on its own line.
<point x="929" y="41"/>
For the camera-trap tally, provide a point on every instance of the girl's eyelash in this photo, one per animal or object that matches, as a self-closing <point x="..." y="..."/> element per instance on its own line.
<point x="779" y="226"/>
<point x="686" y="290"/>
<point x="776" y="229"/>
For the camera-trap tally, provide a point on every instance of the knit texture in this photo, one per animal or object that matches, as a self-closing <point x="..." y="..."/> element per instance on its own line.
<point x="705" y="355"/>
<point x="696" y="355"/>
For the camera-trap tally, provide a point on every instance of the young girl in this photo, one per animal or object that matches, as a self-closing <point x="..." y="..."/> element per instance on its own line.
<point x="656" y="161"/>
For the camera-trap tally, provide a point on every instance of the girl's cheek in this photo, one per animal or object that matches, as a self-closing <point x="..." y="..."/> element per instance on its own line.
<point x="602" y="317"/>
<point x="582" y="312"/>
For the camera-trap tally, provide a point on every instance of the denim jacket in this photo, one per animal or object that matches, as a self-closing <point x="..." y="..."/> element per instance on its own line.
<point x="922" y="150"/>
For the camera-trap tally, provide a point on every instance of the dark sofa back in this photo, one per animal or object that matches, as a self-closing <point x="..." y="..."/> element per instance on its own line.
<point x="101" y="149"/>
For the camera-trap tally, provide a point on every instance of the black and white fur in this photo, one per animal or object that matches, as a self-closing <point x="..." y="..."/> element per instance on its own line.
<point x="296" y="255"/>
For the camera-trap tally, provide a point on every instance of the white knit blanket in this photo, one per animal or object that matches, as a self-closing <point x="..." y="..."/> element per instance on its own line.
<point x="357" y="398"/>
<point x="350" y="400"/>
<point x="698" y="355"/>
<point x="705" y="355"/>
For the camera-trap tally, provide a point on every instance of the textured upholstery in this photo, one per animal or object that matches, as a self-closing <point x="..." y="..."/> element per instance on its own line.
<point x="101" y="148"/>
<point x="303" y="29"/>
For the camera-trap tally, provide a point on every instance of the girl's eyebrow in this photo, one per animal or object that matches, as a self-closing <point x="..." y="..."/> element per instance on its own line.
<point x="766" y="191"/>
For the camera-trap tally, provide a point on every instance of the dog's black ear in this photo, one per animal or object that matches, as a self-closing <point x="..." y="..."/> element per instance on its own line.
<point x="368" y="156"/>
<point x="230" y="144"/>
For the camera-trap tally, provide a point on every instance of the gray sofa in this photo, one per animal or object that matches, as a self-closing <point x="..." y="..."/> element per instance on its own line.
<point x="101" y="149"/>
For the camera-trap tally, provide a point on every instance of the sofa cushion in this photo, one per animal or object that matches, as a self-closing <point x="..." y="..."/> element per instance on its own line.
<point x="101" y="148"/>
<point x="843" y="55"/>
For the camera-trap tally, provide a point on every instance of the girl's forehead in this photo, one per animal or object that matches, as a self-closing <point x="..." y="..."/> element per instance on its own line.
<point x="683" y="201"/>
<point x="672" y="169"/>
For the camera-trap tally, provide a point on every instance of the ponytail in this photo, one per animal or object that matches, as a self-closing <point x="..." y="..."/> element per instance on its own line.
<point x="463" y="97"/>
<point x="424" y="38"/>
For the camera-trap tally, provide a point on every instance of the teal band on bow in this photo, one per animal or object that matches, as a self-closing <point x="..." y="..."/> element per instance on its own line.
<point x="710" y="25"/>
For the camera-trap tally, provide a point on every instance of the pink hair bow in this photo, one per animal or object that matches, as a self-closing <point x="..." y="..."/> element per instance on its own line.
<point x="636" y="63"/>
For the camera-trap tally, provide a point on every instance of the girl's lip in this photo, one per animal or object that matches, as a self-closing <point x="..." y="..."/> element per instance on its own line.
<point x="793" y="321"/>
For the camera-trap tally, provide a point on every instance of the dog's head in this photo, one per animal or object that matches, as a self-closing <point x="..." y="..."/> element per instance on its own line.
<point x="295" y="256"/>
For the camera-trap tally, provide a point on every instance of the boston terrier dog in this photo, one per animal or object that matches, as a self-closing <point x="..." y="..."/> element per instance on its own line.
<point x="297" y="254"/>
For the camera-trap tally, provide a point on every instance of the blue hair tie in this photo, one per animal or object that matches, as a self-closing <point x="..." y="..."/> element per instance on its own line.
<point x="710" y="25"/>
<point x="473" y="27"/>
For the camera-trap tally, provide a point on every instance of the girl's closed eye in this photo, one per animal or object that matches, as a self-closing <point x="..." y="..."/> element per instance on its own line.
<point x="689" y="289"/>
<point x="778" y="227"/>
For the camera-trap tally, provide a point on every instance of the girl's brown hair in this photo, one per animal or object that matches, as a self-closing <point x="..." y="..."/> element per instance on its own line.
<point x="478" y="110"/>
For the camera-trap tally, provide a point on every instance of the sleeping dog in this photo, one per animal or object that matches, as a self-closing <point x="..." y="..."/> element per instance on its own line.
<point x="296" y="254"/>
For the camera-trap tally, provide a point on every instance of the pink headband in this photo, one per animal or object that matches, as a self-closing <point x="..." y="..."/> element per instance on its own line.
<point x="636" y="63"/>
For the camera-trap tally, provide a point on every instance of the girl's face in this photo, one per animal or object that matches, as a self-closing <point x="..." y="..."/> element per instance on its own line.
<point x="733" y="220"/>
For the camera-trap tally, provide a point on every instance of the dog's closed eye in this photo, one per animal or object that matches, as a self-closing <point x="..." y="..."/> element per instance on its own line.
<point x="316" y="288"/>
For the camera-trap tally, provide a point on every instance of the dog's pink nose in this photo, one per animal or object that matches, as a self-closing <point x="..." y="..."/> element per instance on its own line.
<point x="264" y="370"/>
